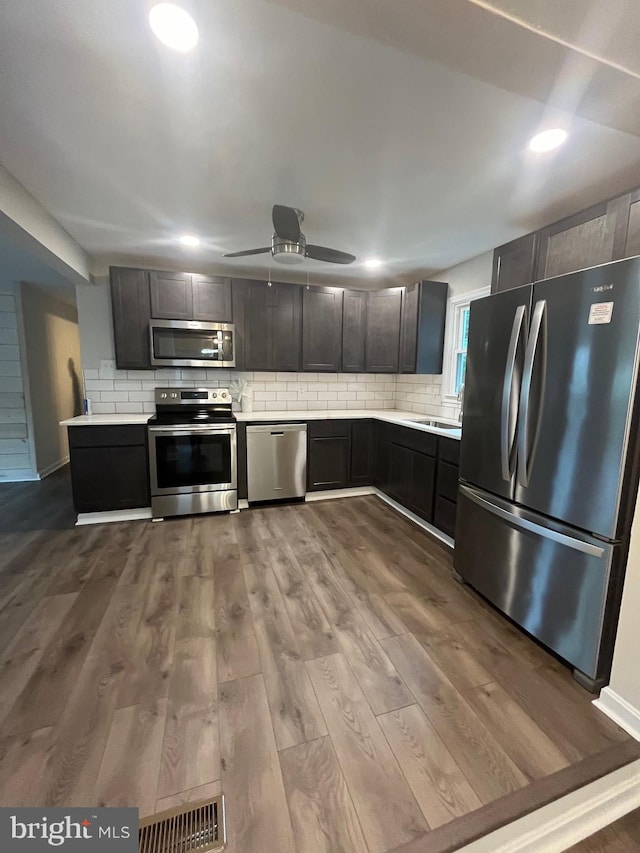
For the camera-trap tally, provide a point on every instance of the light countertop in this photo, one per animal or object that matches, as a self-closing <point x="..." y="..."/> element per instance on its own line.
<point x="394" y="416"/>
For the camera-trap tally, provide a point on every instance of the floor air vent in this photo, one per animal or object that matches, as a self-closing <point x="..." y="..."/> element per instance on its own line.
<point x="193" y="826"/>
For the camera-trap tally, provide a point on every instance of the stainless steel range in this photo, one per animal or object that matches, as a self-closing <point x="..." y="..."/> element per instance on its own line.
<point x="192" y="452"/>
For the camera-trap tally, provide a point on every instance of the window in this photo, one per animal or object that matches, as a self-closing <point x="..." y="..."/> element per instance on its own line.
<point x="456" y="340"/>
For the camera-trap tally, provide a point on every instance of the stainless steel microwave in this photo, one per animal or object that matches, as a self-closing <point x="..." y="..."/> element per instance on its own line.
<point x="190" y="343"/>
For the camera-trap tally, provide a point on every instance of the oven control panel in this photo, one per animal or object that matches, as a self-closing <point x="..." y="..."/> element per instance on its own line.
<point x="191" y="396"/>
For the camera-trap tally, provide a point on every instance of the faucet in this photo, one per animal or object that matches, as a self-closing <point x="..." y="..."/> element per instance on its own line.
<point x="461" y="401"/>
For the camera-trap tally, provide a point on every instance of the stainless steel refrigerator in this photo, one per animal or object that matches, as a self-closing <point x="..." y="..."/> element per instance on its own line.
<point x="549" y="457"/>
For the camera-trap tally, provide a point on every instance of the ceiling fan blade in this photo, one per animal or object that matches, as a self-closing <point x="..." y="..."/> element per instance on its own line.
<point x="285" y="222"/>
<point x="333" y="256"/>
<point x="248" y="252"/>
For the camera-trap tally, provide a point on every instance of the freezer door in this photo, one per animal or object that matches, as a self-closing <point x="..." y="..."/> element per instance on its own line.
<point x="498" y="328"/>
<point x="551" y="581"/>
<point x="577" y="394"/>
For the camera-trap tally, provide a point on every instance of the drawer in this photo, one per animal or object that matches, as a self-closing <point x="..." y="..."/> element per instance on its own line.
<point x="447" y="482"/>
<point x="444" y="516"/>
<point x="329" y="429"/>
<point x="108" y="436"/>
<point x="449" y="450"/>
<point x="414" y="439"/>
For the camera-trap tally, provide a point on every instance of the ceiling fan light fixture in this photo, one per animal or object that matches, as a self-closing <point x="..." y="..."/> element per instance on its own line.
<point x="547" y="140"/>
<point x="373" y="263"/>
<point x="190" y="240"/>
<point x="288" y="252"/>
<point x="173" y="26"/>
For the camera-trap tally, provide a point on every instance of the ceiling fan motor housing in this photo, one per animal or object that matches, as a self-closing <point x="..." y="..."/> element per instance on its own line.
<point x="288" y="252"/>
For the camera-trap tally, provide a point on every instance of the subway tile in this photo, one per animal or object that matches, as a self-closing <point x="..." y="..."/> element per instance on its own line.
<point x="141" y="375"/>
<point x="261" y="376"/>
<point x="275" y="386"/>
<point x="135" y="408"/>
<point x="11" y="383"/>
<point x="327" y="395"/>
<point x="286" y="395"/>
<point x="113" y="396"/>
<point x="308" y="395"/>
<point x="317" y="405"/>
<point x="9" y="352"/>
<point x="258" y="406"/>
<point x="297" y="405"/>
<point x="7" y="303"/>
<point x="8" y="336"/>
<point x="264" y="396"/>
<point x="273" y="406"/>
<point x="297" y="386"/>
<point x="91" y="373"/>
<point x="127" y="385"/>
<point x="103" y="408"/>
<point x="99" y="385"/>
<point x="141" y="396"/>
<point x="365" y="395"/>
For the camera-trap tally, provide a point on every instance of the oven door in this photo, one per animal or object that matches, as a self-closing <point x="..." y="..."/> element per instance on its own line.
<point x="185" y="459"/>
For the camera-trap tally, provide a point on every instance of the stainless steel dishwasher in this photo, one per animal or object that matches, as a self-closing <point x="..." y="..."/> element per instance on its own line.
<point x="276" y="461"/>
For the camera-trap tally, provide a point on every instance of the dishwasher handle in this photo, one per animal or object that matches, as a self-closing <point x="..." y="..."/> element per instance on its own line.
<point x="276" y="429"/>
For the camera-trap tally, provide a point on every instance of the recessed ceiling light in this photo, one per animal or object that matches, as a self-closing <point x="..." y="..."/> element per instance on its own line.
<point x="189" y="240"/>
<point x="173" y="26"/>
<point x="373" y="263"/>
<point x="548" y="139"/>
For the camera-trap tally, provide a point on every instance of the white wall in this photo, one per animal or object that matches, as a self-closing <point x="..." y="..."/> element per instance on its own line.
<point x="16" y="461"/>
<point x="424" y="394"/>
<point x="29" y="224"/>
<point x="54" y="372"/>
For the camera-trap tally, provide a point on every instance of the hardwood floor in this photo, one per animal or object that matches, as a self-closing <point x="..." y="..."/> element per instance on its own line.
<point x="315" y="662"/>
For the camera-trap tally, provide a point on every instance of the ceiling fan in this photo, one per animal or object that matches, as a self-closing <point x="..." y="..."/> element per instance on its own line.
<point x="288" y="243"/>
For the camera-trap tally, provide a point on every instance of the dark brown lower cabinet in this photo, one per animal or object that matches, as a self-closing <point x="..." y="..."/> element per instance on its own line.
<point x="109" y="467"/>
<point x="419" y="470"/>
<point x="328" y="452"/>
<point x="362" y="452"/>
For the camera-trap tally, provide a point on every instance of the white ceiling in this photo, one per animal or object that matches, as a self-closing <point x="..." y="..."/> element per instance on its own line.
<point x="398" y="126"/>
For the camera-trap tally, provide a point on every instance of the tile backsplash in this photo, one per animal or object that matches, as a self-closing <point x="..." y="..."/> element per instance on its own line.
<point x="132" y="391"/>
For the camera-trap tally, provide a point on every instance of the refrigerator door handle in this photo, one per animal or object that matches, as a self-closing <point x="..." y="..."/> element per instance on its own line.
<point x="507" y="434"/>
<point x="525" y="451"/>
<point x="532" y="527"/>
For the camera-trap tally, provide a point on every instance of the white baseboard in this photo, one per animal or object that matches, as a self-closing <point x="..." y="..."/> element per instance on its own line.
<point x="19" y="475"/>
<point x="438" y="534"/>
<point x="569" y="820"/>
<point x="53" y="467"/>
<point x="114" y="515"/>
<point x="330" y="494"/>
<point x="620" y="711"/>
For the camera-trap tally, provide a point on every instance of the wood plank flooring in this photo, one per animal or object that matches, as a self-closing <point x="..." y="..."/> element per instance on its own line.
<point x="315" y="662"/>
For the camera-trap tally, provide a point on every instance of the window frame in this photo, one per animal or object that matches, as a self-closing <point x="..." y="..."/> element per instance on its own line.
<point x="456" y="306"/>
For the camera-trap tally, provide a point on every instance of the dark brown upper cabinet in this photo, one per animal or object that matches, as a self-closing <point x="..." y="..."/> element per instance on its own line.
<point x="183" y="296"/>
<point x="628" y="231"/>
<point x="171" y="295"/>
<point x="272" y="314"/>
<point x="131" y="308"/>
<point x="212" y="299"/>
<point x="583" y="240"/>
<point x="354" y="330"/>
<point x="322" y="329"/>
<point x="513" y="263"/>
<point x="424" y="308"/>
<point x="382" y="346"/>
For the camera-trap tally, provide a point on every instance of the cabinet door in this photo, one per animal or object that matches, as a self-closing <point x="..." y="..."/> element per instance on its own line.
<point x="444" y="515"/>
<point x="322" y="328"/>
<point x="383" y="330"/>
<point x="131" y="308"/>
<point x="580" y="241"/>
<point x="362" y="452"/>
<point x="381" y="462"/>
<point x="354" y="330"/>
<point x="513" y="263"/>
<point x="328" y="462"/>
<point x="171" y="295"/>
<point x="400" y="462"/>
<point x="109" y="478"/>
<point x="432" y="312"/>
<point x="409" y="329"/>
<point x="212" y="299"/>
<point x="421" y="485"/>
<point x="257" y="333"/>
<point x="284" y="326"/>
<point x="632" y="236"/>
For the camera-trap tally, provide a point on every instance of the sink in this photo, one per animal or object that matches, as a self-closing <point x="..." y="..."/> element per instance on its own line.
<point x="438" y="424"/>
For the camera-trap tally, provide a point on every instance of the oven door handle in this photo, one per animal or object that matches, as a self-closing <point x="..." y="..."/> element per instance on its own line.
<point x="177" y="430"/>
